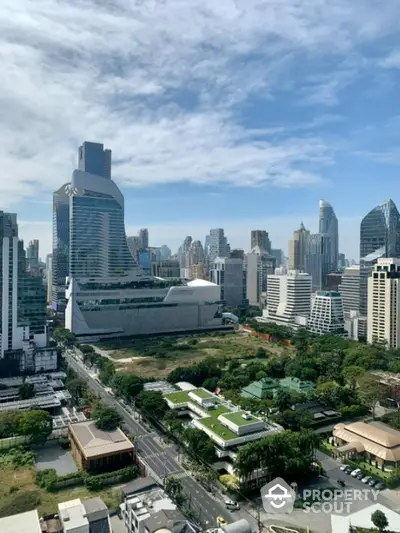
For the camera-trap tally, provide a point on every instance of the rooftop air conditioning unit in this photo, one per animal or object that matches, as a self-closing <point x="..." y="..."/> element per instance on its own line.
<point x="246" y="416"/>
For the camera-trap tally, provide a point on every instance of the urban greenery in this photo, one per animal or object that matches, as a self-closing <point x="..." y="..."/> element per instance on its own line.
<point x="107" y="418"/>
<point x="35" y="424"/>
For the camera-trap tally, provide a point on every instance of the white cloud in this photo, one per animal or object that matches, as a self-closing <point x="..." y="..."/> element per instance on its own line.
<point x="160" y="82"/>
<point x="392" y="60"/>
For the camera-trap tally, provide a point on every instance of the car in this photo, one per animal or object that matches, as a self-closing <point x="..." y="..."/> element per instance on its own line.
<point x="359" y="476"/>
<point x="380" y="485"/>
<point x="221" y="521"/>
<point x="343" y="467"/>
<point x="341" y="482"/>
<point x="355" y="472"/>
<point x="373" y="482"/>
<point x="231" y="505"/>
<point x="366" y="479"/>
<point x="348" y="470"/>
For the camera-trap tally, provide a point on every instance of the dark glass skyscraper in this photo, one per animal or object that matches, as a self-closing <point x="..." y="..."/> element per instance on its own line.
<point x="379" y="237"/>
<point x="318" y="259"/>
<point x="328" y="224"/>
<point x="60" y="265"/>
<point x="95" y="160"/>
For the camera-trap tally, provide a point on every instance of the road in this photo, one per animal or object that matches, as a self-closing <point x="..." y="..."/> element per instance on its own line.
<point x="158" y="456"/>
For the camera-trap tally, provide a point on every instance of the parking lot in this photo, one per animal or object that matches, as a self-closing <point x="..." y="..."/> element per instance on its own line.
<point x="51" y="455"/>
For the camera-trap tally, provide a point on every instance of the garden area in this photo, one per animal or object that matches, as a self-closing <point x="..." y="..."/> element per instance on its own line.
<point x="159" y="356"/>
<point x="19" y="491"/>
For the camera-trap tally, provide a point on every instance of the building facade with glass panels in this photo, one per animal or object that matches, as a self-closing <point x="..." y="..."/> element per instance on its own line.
<point x="328" y="224"/>
<point x="107" y="293"/>
<point x="60" y="261"/>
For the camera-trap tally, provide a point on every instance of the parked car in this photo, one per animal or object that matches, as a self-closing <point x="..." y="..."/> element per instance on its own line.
<point x="366" y="479"/>
<point x="221" y="521"/>
<point x="355" y="472"/>
<point x="373" y="482"/>
<point x="348" y="470"/>
<point x="380" y="485"/>
<point x="343" y="467"/>
<point x="341" y="482"/>
<point x="359" y="476"/>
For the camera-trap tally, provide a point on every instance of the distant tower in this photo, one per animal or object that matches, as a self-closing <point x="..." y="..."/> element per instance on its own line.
<point x="218" y="246"/>
<point x="328" y="224"/>
<point x="318" y="259"/>
<point x="260" y="238"/>
<point x="94" y="159"/>
<point x="297" y="249"/>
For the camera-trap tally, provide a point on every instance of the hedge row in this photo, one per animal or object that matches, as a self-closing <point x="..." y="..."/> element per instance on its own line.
<point x="49" y="480"/>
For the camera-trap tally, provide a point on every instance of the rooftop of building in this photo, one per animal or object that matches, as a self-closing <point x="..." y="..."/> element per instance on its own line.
<point x="21" y="523"/>
<point x="201" y="283"/>
<point x="75" y="514"/>
<point x="241" y="418"/>
<point x="328" y="294"/>
<point x="95" y="442"/>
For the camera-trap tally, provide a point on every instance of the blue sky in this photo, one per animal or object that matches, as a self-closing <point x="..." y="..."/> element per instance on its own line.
<point x="237" y="114"/>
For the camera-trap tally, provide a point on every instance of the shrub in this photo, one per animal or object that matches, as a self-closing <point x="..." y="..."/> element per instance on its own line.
<point x="45" y="478"/>
<point x="63" y="442"/>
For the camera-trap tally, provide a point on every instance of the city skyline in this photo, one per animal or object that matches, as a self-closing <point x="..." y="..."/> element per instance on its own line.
<point x="217" y="117"/>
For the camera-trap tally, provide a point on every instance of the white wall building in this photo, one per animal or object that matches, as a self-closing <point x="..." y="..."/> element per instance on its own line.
<point x="258" y="265"/>
<point x="288" y="298"/>
<point x="327" y="315"/>
<point x="384" y="303"/>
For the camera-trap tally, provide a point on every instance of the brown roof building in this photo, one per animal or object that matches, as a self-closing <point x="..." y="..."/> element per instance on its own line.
<point x="100" y="451"/>
<point x="377" y="442"/>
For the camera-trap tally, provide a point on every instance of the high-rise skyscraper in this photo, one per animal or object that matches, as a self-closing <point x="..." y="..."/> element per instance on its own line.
<point x="379" y="237"/>
<point x="350" y="289"/>
<point x="258" y="265"/>
<point x="195" y="254"/>
<point x="297" y="249"/>
<point x="144" y="238"/>
<point x="327" y="317"/>
<point x="328" y="223"/>
<point x="218" y="244"/>
<point x="32" y="257"/>
<point x="384" y="303"/>
<point x="49" y="277"/>
<point x="94" y="159"/>
<point x="259" y="237"/>
<point x="318" y="259"/>
<point x="106" y="292"/>
<point x="165" y="252"/>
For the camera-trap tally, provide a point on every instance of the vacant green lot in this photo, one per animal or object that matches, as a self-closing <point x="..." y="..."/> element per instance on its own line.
<point x="19" y="493"/>
<point x="156" y="357"/>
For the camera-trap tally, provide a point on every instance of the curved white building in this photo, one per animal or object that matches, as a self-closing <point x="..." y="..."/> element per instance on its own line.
<point x="107" y="294"/>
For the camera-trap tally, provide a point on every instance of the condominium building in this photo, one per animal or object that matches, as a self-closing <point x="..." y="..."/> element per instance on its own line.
<point x="318" y="259"/>
<point x="288" y="298"/>
<point x="297" y="249"/>
<point x="227" y="273"/>
<point x="32" y="257"/>
<point x="199" y="271"/>
<point x="327" y="315"/>
<point x="384" y="303"/>
<point x="258" y="265"/>
<point x="260" y="238"/>
<point x="144" y="238"/>
<point x="165" y="268"/>
<point x="350" y="289"/>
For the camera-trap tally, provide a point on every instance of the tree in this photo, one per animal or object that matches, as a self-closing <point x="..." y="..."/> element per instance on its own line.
<point x="351" y="374"/>
<point x="107" y="370"/>
<point x="9" y="423"/>
<point x="77" y="388"/>
<point x="37" y="425"/>
<point x="210" y="384"/>
<point x="199" y="444"/>
<point x="127" y="386"/>
<point x="107" y="418"/>
<point x="64" y="337"/>
<point x="86" y="348"/>
<point x="379" y="520"/>
<point x="26" y="391"/>
<point x="152" y="403"/>
<point x="282" y="400"/>
<point x="294" y="420"/>
<point x="371" y="391"/>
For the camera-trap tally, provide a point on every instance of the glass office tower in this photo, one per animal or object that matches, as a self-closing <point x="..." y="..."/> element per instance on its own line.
<point x="379" y="237"/>
<point x="60" y="266"/>
<point x="95" y="160"/>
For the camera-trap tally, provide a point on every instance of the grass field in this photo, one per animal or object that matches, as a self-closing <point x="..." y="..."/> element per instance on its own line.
<point x="156" y="357"/>
<point x="19" y="493"/>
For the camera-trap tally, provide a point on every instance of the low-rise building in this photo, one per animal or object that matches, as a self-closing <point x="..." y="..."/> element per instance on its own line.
<point x="227" y="425"/>
<point x="260" y="389"/>
<point x="148" y="509"/>
<point x="100" y="451"/>
<point x="296" y="385"/>
<point x="21" y="523"/>
<point x="375" y="442"/>
<point x="84" y="516"/>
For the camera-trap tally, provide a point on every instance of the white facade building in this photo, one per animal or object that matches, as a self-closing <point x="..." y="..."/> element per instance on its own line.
<point x="258" y="265"/>
<point x="384" y="303"/>
<point x="327" y="315"/>
<point x="288" y="298"/>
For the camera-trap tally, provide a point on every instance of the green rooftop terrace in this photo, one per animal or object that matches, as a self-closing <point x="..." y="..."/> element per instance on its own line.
<point x="237" y="418"/>
<point x="202" y="393"/>
<point x="178" y="397"/>
<point x="213" y="424"/>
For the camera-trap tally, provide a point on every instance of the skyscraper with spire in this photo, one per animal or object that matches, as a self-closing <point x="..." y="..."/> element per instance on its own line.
<point x="328" y="224"/>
